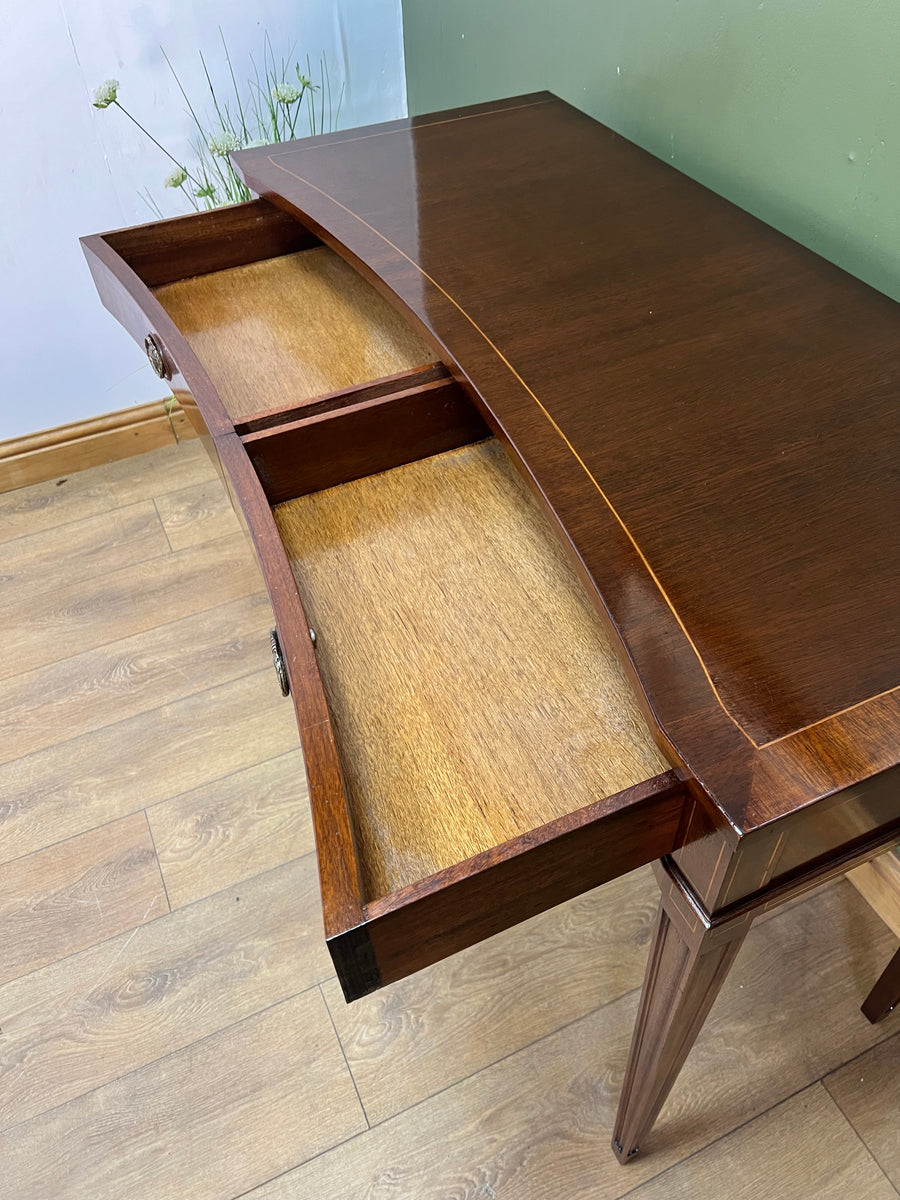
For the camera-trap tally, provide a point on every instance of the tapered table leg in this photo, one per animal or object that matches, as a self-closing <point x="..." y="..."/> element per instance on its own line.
<point x="885" y="995"/>
<point x="687" y="967"/>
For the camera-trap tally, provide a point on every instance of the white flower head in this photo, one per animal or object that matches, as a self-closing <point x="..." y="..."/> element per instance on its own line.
<point x="176" y="178"/>
<point x="106" y="93"/>
<point x="285" y="93"/>
<point x="221" y="144"/>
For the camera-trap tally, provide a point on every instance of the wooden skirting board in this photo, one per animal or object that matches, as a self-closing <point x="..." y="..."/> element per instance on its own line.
<point x="878" y="882"/>
<point x="69" y="448"/>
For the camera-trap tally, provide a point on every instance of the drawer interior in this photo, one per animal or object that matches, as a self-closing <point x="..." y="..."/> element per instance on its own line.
<point x="473" y="690"/>
<point x="481" y="755"/>
<point x="274" y="333"/>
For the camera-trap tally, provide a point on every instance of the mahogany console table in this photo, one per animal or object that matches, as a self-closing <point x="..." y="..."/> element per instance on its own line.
<point x="575" y="489"/>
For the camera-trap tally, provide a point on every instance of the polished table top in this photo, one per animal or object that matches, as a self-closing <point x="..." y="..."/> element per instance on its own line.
<point x="708" y="409"/>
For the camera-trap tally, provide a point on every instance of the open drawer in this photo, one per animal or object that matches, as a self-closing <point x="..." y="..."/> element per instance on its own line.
<point x="475" y="751"/>
<point x="254" y="322"/>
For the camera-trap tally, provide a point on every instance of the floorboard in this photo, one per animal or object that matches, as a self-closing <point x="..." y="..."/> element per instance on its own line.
<point x="89" y="612"/>
<point x="808" y="984"/>
<point x="121" y="537"/>
<point x="207" y="1122"/>
<point x="121" y="679"/>
<point x="418" y="1036"/>
<point x="537" y="1123"/>
<point x="196" y="514"/>
<point x="142" y="760"/>
<point x="232" y="829"/>
<point x="800" y="1148"/>
<point x="83" y="495"/>
<point x="135" y="998"/>
<point x="867" y="1091"/>
<point x="76" y="893"/>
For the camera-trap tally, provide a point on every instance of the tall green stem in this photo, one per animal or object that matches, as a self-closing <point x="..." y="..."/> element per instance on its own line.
<point x="149" y="135"/>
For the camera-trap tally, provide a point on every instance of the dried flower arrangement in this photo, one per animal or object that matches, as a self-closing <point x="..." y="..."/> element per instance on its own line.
<point x="269" y="110"/>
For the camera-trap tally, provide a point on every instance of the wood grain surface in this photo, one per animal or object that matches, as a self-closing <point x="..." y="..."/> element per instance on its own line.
<point x="474" y="692"/>
<point x="364" y="438"/>
<point x="335" y="841"/>
<point x="273" y="333"/>
<point x="416" y="1037"/>
<point x="709" y="408"/>
<point x="817" y="975"/>
<point x="84" y="444"/>
<point x="884" y="997"/>
<point x="673" y="378"/>
<point x="526" y="1127"/>
<point x="181" y="247"/>
<point x="799" y="1150"/>
<point x="196" y="514"/>
<point x="118" y="769"/>
<point x="217" y="1096"/>
<point x="95" y="611"/>
<point x="211" y="1120"/>
<point x="107" y="542"/>
<point x="415" y="378"/>
<point x="123" y="678"/>
<point x="866" y="1093"/>
<point x="100" y="491"/>
<point x="76" y="893"/>
<point x="119" y="1005"/>
<point x="233" y="828"/>
<point x="516" y="880"/>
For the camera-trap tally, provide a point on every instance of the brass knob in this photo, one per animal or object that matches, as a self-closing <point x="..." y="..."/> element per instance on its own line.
<point x="157" y="357"/>
<point x="278" y="661"/>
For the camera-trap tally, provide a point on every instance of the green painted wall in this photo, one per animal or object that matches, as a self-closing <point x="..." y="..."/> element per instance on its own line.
<point x="790" y="108"/>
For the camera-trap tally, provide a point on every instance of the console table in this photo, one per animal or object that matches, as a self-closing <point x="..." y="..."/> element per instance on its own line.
<point x="575" y="490"/>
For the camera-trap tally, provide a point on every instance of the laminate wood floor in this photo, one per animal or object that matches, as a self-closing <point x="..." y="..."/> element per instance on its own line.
<point x="170" y="1025"/>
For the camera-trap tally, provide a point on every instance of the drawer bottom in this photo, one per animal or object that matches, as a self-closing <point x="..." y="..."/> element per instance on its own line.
<point x="474" y="693"/>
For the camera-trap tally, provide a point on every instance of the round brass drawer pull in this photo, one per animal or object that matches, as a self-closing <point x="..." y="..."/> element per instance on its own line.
<point x="157" y="357"/>
<point x="278" y="660"/>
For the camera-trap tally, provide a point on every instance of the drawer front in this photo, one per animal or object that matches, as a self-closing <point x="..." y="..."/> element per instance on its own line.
<point x="134" y="306"/>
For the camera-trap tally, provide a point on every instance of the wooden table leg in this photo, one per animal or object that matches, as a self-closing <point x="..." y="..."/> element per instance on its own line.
<point x="885" y="995"/>
<point x="688" y="965"/>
